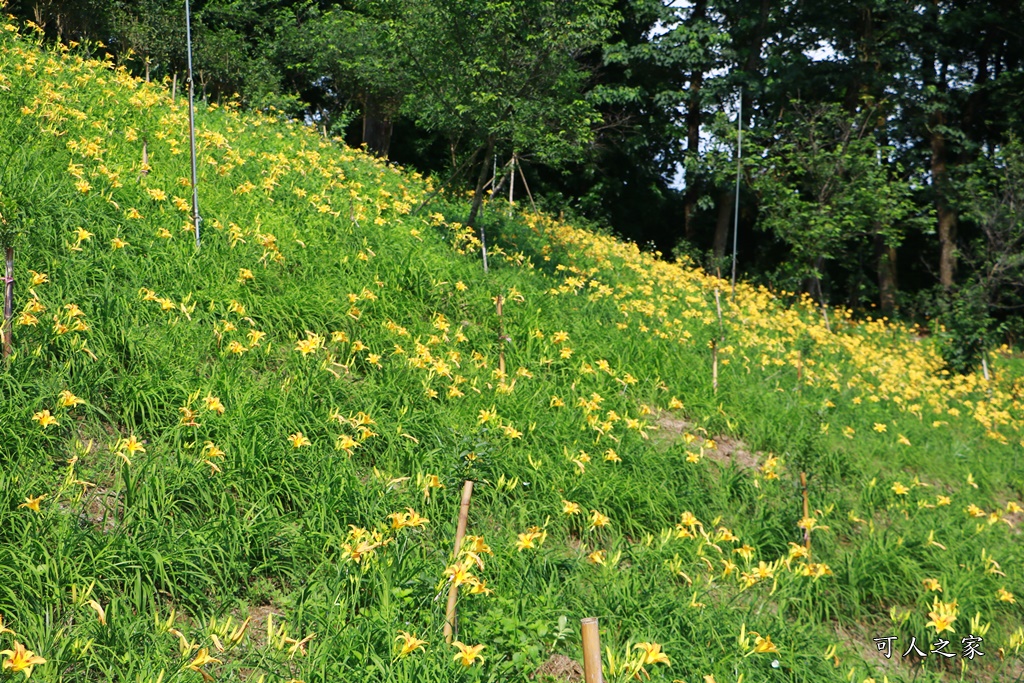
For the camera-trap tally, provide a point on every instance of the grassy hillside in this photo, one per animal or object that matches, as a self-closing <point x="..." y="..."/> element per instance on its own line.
<point x="254" y="451"/>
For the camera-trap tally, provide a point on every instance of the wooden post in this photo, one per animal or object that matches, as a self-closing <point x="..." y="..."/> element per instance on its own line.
<point x="591" y="651"/>
<point x="718" y="307"/>
<point x="460" y="531"/>
<point x="807" y="532"/>
<point x="174" y="87"/>
<point x="8" y="299"/>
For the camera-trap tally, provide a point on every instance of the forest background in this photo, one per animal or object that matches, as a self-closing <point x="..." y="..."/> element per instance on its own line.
<point x="882" y="160"/>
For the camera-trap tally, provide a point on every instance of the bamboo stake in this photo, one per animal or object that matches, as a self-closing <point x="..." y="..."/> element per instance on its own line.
<point x="807" y="532"/>
<point x="174" y="87"/>
<point x="460" y="531"/>
<point x="591" y="651"/>
<point x="8" y="299"/>
<point x="527" y="186"/>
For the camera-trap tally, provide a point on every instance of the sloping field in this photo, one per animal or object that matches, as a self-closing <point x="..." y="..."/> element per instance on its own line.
<point x="246" y="461"/>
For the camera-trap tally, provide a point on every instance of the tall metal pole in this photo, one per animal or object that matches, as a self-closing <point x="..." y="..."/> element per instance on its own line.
<point x="192" y="122"/>
<point x="736" y="209"/>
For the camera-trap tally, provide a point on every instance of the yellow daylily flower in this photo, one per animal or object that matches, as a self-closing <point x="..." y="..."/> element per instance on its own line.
<point x="33" y="503"/>
<point x="21" y="660"/>
<point x="410" y="643"/>
<point x="468" y="654"/>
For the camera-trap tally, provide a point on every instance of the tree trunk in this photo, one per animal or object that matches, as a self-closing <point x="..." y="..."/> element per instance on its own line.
<point x="725" y="206"/>
<point x="946" y="214"/>
<point x="481" y="180"/>
<point x="887" y="285"/>
<point x="693" y="120"/>
<point x="377" y="126"/>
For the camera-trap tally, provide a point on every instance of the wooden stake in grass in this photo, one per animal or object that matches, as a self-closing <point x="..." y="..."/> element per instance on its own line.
<point x="8" y="298"/>
<point x="807" y="530"/>
<point x="460" y="531"/>
<point x="591" y="651"/>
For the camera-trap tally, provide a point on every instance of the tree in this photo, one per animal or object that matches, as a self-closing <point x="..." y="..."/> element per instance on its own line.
<point x="987" y="303"/>
<point x="827" y="188"/>
<point x="499" y="73"/>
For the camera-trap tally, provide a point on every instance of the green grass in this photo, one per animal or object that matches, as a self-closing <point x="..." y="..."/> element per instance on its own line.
<point x="165" y="543"/>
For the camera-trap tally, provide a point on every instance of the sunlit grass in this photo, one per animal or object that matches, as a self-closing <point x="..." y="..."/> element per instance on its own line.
<point x="253" y="415"/>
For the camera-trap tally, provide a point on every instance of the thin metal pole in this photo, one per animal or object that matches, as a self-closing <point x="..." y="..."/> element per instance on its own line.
<point x="512" y="186"/>
<point x="736" y="209"/>
<point x="196" y="219"/>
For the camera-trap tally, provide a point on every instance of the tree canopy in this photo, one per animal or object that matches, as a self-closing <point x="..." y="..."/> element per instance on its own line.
<point x="879" y="131"/>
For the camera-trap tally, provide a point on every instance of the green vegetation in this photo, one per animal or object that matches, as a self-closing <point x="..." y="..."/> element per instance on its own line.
<point x="250" y="434"/>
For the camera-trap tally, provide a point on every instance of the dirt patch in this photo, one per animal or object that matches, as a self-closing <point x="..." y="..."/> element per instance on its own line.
<point x="102" y="507"/>
<point x="558" y="668"/>
<point x="729" y="450"/>
<point x="258" y="622"/>
<point x="672" y="429"/>
<point x="859" y="639"/>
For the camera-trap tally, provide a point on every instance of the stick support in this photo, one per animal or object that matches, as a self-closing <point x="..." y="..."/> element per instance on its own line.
<point x="591" y="651"/>
<point x="460" y="531"/>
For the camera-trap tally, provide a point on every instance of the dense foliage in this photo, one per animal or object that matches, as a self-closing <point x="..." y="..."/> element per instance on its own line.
<point x="624" y="112"/>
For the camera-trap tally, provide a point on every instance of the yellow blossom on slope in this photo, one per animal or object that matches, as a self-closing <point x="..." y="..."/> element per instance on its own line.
<point x="468" y="654"/>
<point x="942" y="616"/>
<point x="410" y="643"/>
<point x="33" y="503"/>
<point x="298" y="440"/>
<point x="44" y="418"/>
<point x="764" y="645"/>
<point x="652" y="653"/>
<point x="21" y="660"/>
<point x="213" y="404"/>
<point x="598" y="520"/>
<point x="68" y="400"/>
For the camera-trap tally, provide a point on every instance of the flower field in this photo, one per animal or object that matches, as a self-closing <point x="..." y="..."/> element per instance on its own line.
<point x="245" y="462"/>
